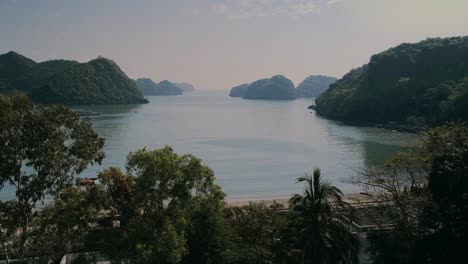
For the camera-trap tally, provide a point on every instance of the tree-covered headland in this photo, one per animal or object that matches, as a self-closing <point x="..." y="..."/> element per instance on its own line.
<point x="99" y="81"/>
<point x="418" y="85"/>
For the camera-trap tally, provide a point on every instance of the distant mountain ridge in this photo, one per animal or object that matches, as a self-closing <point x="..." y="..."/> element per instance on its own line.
<point x="99" y="81"/>
<point x="314" y="86"/>
<point x="186" y="87"/>
<point x="421" y="84"/>
<point x="149" y="87"/>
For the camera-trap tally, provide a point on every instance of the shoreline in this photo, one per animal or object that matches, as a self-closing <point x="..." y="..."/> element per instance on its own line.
<point x="266" y="201"/>
<point x="389" y="125"/>
<point x="351" y="198"/>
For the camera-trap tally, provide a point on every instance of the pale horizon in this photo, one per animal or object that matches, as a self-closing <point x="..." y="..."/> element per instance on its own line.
<point x="216" y="45"/>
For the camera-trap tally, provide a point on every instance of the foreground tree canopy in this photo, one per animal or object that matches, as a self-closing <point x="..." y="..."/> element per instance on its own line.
<point x="326" y="239"/>
<point x="165" y="208"/>
<point x="426" y="187"/>
<point x="41" y="149"/>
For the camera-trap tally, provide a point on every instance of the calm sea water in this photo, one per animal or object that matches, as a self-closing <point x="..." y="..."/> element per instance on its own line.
<point x="256" y="148"/>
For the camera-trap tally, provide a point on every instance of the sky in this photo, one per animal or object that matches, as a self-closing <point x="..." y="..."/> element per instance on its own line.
<point x="217" y="44"/>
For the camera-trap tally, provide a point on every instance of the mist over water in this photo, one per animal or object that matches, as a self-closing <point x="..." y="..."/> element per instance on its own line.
<point x="256" y="148"/>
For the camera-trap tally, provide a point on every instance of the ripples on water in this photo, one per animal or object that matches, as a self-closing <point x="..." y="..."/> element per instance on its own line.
<point x="256" y="148"/>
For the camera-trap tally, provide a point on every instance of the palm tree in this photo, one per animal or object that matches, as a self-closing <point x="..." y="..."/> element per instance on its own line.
<point x="325" y="239"/>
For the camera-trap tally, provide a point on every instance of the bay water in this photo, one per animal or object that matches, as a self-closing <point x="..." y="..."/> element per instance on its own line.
<point x="256" y="148"/>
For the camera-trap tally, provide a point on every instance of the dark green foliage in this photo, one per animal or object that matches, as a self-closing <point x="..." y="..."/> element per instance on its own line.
<point x="277" y="87"/>
<point x="391" y="247"/>
<point x="175" y="215"/>
<point x="314" y="86"/>
<point x="407" y="83"/>
<point x="62" y="226"/>
<point x="257" y="235"/>
<point x="448" y="185"/>
<point x="169" y="210"/>
<point x="325" y="239"/>
<point x="15" y="71"/>
<point x="41" y="149"/>
<point x="119" y="188"/>
<point x="206" y="234"/>
<point x="99" y="81"/>
<point x="239" y="91"/>
<point x="434" y="225"/>
<point x="148" y="87"/>
<point x="456" y="107"/>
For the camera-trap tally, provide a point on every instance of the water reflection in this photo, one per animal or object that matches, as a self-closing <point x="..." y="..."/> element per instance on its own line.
<point x="110" y="109"/>
<point x="256" y="148"/>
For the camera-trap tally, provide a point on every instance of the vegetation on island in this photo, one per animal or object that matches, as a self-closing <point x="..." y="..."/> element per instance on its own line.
<point x="314" y="86"/>
<point x="149" y="87"/>
<point x="277" y="87"/>
<point x="99" y="81"/>
<point x="422" y="85"/>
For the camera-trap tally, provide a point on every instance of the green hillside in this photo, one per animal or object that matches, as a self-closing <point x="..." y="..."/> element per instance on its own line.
<point x="99" y="81"/>
<point x="417" y="84"/>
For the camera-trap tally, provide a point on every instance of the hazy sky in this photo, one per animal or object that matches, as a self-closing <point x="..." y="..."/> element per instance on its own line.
<point x="216" y="44"/>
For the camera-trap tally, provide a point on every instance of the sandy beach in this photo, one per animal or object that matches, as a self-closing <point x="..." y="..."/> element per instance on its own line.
<point x="351" y="198"/>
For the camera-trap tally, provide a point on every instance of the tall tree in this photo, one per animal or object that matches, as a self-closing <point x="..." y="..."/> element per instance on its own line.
<point x="324" y="237"/>
<point x="257" y="234"/>
<point x="424" y="190"/>
<point x="175" y="209"/>
<point x="119" y="188"/>
<point x="62" y="226"/>
<point x="42" y="148"/>
<point x="446" y="217"/>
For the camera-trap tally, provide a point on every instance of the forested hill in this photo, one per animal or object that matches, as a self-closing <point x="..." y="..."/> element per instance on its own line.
<point x="99" y="81"/>
<point x="416" y="84"/>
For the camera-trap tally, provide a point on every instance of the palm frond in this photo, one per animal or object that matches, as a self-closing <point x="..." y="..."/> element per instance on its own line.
<point x="320" y="227"/>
